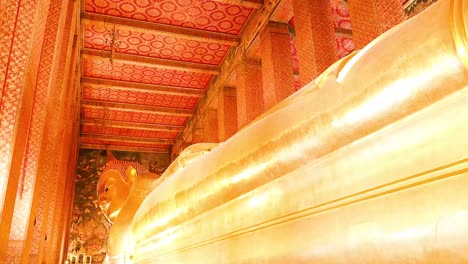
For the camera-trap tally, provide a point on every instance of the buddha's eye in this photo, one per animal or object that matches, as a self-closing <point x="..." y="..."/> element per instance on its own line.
<point x="106" y="189"/>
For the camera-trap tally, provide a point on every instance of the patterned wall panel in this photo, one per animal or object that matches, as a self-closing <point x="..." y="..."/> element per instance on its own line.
<point x="122" y="95"/>
<point x="344" y="44"/>
<point x="100" y="67"/>
<point x="57" y="123"/>
<point x="344" y="41"/>
<point x="15" y="42"/>
<point x="100" y="130"/>
<point x="130" y="116"/>
<point x="340" y="14"/>
<point x="147" y="43"/>
<point x="199" y="14"/>
<point x="47" y="165"/>
<point x="295" y="59"/>
<point x="297" y="83"/>
<point x="28" y="172"/>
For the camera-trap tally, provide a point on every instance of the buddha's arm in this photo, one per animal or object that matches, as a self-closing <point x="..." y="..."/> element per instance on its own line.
<point x="188" y="155"/>
<point x="407" y="69"/>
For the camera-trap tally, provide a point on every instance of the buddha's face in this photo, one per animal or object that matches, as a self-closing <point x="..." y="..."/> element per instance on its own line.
<point x="112" y="193"/>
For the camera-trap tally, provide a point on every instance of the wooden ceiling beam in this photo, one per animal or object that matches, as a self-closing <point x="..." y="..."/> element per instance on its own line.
<point x="131" y="125"/>
<point x="123" y="148"/>
<point x="154" y="62"/>
<point x="344" y="31"/>
<point x="136" y="108"/>
<point x="163" y="89"/>
<point x="137" y="140"/>
<point x="255" y="4"/>
<point x="162" y="29"/>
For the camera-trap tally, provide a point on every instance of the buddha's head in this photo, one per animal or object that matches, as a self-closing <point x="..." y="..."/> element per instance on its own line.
<point x="115" y="183"/>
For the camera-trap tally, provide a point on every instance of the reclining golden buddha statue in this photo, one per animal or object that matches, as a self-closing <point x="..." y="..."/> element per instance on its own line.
<point x="122" y="187"/>
<point x="366" y="164"/>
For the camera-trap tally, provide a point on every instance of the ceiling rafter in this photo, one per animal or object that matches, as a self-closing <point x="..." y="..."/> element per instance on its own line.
<point x="166" y="30"/>
<point x="131" y="125"/>
<point x="255" y="4"/>
<point x="154" y="62"/>
<point x="122" y="139"/>
<point x="143" y="87"/>
<point x="234" y="57"/>
<point x="136" y="108"/>
<point x="123" y="148"/>
<point x="343" y="31"/>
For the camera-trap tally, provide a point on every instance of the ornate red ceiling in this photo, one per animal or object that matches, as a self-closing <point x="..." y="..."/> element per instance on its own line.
<point x="99" y="67"/>
<point x="149" y="43"/>
<point x="147" y="63"/>
<point x="121" y="131"/>
<point x="198" y="14"/>
<point x="124" y="95"/>
<point x="102" y="114"/>
<point x="121" y="142"/>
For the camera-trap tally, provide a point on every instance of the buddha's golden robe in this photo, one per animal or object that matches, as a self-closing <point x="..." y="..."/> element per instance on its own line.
<point x="366" y="164"/>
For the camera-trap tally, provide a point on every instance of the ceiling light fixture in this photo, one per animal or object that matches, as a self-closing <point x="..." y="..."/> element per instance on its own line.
<point x="112" y="40"/>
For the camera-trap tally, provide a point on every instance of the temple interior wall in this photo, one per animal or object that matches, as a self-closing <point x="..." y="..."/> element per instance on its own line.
<point x="89" y="228"/>
<point x="41" y="168"/>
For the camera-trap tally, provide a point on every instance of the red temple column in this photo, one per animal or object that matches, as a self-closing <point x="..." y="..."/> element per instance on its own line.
<point x="23" y="26"/>
<point x="249" y="91"/>
<point x="227" y="113"/>
<point x="197" y="133"/>
<point x="206" y="129"/>
<point x="211" y="125"/>
<point x="277" y="68"/>
<point x="49" y="192"/>
<point x="38" y="38"/>
<point x="371" y="18"/>
<point x="315" y="36"/>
